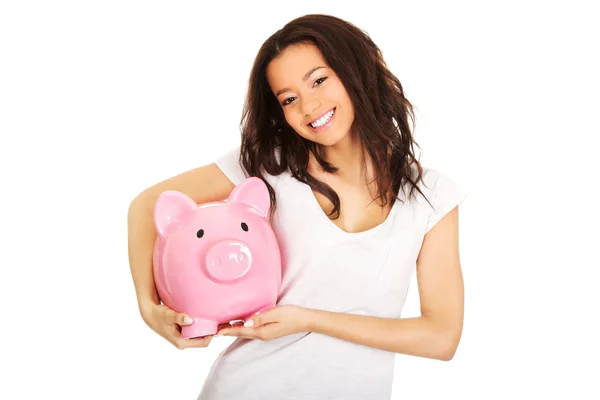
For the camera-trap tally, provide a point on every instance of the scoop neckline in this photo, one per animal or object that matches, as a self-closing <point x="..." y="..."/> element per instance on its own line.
<point x="335" y="228"/>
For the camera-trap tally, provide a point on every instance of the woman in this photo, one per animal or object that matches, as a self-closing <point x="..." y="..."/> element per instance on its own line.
<point x="326" y="127"/>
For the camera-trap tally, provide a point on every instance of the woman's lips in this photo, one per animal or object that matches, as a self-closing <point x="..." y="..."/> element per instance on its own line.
<point x="327" y="124"/>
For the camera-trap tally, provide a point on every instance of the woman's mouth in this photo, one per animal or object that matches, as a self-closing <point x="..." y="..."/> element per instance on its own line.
<point x="323" y="122"/>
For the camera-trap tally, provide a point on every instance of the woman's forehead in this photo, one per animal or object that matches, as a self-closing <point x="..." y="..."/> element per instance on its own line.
<point x="294" y="63"/>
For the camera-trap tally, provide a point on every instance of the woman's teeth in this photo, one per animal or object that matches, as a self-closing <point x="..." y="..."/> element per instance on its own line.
<point x="323" y="120"/>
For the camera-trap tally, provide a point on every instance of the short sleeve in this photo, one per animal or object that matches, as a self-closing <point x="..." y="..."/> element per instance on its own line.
<point x="229" y="164"/>
<point x="444" y="195"/>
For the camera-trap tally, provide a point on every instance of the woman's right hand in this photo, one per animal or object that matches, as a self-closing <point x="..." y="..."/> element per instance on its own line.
<point x="167" y="323"/>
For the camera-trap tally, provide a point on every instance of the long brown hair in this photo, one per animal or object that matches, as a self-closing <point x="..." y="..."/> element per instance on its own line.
<point x="381" y="111"/>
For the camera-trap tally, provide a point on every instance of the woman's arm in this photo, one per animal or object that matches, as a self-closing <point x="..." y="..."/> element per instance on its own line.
<point x="437" y="332"/>
<point x="203" y="184"/>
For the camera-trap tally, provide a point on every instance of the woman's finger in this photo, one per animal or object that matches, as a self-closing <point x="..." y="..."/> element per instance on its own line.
<point x="183" y="343"/>
<point x="196" y="342"/>
<point x="182" y="319"/>
<point x="262" y="332"/>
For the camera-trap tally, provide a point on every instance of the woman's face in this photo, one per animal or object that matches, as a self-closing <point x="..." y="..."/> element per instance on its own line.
<point x="312" y="97"/>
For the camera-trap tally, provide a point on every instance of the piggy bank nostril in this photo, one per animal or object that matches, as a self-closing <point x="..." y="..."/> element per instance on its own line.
<point x="236" y="257"/>
<point x="216" y="262"/>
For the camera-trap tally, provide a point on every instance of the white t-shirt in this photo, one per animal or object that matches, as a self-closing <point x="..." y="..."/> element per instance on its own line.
<point x="326" y="268"/>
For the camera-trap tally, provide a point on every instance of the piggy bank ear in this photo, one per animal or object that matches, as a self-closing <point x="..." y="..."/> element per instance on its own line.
<point x="169" y="208"/>
<point x="254" y="193"/>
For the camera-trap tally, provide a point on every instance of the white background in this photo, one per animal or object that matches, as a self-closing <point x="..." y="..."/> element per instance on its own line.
<point x="99" y="100"/>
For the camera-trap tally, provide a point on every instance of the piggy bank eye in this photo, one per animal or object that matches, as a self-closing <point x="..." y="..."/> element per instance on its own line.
<point x="200" y="233"/>
<point x="244" y="227"/>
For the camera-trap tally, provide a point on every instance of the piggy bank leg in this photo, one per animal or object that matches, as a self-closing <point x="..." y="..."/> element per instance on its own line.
<point x="200" y="327"/>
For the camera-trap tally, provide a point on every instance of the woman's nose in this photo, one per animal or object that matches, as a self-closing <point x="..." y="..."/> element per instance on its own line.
<point x="310" y="105"/>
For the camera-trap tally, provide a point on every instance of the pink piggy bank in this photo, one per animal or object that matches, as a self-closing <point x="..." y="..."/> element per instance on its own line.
<point x="218" y="261"/>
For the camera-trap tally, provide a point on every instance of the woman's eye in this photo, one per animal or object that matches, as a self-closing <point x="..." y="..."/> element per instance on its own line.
<point x="317" y="83"/>
<point x="320" y="80"/>
<point x="287" y="101"/>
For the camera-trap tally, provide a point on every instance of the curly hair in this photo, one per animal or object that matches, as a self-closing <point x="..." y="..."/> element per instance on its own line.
<point x="381" y="110"/>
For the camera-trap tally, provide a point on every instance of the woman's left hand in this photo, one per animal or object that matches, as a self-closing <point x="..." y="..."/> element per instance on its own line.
<point x="272" y="324"/>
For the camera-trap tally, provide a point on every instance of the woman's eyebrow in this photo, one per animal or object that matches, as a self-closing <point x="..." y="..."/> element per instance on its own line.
<point x="306" y="76"/>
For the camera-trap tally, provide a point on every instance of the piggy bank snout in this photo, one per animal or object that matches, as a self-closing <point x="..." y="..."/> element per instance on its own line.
<point x="228" y="260"/>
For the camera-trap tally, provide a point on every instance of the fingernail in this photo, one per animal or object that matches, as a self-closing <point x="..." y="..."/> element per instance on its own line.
<point x="218" y="334"/>
<point x="187" y="320"/>
<point x="249" y="323"/>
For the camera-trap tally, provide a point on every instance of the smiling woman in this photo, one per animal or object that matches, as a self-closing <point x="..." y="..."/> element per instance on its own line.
<point x="319" y="64"/>
<point x="325" y="125"/>
<point x="313" y="100"/>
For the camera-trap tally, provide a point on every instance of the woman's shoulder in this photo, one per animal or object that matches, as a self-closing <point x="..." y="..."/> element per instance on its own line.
<point x="432" y="179"/>
<point x="442" y="191"/>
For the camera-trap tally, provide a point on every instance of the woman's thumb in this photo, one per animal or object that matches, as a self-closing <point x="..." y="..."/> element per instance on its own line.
<point x="185" y="320"/>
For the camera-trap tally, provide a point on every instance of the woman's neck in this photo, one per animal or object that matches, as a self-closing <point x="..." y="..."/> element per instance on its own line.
<point x="349" y="157"/>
